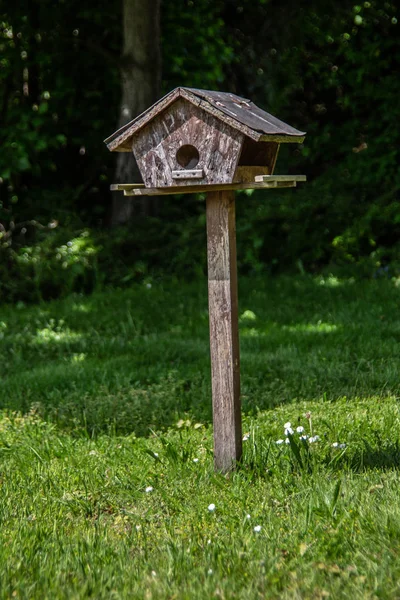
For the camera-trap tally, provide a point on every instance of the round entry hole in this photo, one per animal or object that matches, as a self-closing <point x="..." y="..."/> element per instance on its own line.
<point x="187" y="156"/>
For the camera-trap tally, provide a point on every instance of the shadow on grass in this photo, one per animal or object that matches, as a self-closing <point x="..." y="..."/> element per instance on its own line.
<point x="138" y="359"/>
<point x="371" y="459"/>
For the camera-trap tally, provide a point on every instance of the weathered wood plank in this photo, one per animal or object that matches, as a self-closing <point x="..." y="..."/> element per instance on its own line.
<point x="188" y="174"/>
<point x="121" y="187"/>
<point x="120" y="140"/>
<point x="219" y="114"/>
<point x="267" y="178"/>
<point x="156" y="146"/>
<point x="224" y="335"/>
<point x="239" y="113"/>
<point x="257" y="154"/>
<point x="275" y="159"/>
<point x="132" y="189"/>
<point x="282" y="138"/>
<point x="246" y="174"/>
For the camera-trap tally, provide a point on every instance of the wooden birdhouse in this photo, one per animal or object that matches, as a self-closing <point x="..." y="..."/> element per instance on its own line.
<point x="198" y="137"/>
<point x="213" y="142"/>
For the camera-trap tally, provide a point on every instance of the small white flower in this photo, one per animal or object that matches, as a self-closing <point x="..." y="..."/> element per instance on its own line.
<point x="279" y="442"/>
<point x="138" y="527"/>
<point x="342" y="445"/>
<point x="303" y="437"/>
<point x="208" y="542"/>
<point x="248" y="517"/>
<point x="155" y="453"/>
<point x="257" y="528"/>
<point x="246" y="437"/>
<point x="148" y="489"/>
<point x="300" y="429"/>
<point x="211" y="507"/>
<point x="195" y="460"/>
<point x="93" y="453"/>
<point x="314" y="438"/>
<point x="289" y="431"/>
<point x="148" y="285"/>
<point x="209" y="572"/>
<point x="287" y="441"/>
<point x="154" y="574"/>
<point x="335" y="444"/>
<point x="287" y="425"/>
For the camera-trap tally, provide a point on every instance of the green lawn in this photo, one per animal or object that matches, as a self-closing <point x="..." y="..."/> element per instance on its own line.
<point x="106" y="470"/>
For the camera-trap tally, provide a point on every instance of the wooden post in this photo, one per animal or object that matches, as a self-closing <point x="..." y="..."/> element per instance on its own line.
<point x="224" y="334"/>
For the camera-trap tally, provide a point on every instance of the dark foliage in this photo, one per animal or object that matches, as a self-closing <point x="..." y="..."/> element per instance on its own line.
<point x="326" y="68"/>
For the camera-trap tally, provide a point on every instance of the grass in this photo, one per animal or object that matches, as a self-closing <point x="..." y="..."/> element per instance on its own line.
<point x="105" y="397"/>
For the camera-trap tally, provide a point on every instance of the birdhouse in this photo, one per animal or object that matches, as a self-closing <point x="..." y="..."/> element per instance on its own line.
<point x="213" y="142"/>
<point x="199" y="137"/>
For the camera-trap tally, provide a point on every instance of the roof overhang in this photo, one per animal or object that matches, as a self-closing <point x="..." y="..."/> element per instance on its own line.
<point x="120" y="141"/>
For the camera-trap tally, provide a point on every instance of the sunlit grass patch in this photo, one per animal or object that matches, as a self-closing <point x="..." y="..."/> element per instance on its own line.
<point x="312" y="328"/>
<point x="106" y="465"/>
<point x="124" y="512"/>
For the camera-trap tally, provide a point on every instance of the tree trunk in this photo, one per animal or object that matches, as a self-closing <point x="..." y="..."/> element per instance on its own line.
<point x="141" y="78"/>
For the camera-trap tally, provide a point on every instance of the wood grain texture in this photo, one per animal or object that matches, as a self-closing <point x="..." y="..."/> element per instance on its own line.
<point x="220" y="115"/>
<point x="281" y="178"/>
<point x="138" y="189"/>
<point x="224" y="335"/>
<point x="120" y="141"/>
<point x="275" y="159"/>
<point x="188" y="174"/>
<point x="279" y="139"/>
<point x="239" y="113"/>
<point x="246" y="113"/>
<point x="245" y="174"/>
<point x="255" y="154"/>
<point x="156" y="145"/>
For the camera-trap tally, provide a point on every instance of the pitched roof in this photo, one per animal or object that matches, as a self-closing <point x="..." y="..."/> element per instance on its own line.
<point x="240" y="113"/>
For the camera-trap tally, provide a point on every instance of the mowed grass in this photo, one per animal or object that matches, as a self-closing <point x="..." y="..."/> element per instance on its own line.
<point x="107" y="487"/>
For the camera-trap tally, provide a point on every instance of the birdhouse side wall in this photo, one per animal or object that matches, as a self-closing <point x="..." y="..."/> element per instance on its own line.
<point x="185" y="146"/>
<point x="257" y="158"/>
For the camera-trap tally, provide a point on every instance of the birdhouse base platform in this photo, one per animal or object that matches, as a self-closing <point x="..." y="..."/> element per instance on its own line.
<point x="262" y="182"/>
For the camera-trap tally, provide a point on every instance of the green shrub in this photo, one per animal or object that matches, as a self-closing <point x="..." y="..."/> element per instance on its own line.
<point x="54" y="266"/>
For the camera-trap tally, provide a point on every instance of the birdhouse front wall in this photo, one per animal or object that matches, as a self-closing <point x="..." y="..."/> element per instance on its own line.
<point x="185" y="146"/>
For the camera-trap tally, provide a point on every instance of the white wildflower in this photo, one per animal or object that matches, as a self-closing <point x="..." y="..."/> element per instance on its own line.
<point x="211" y="507"/>
<point x="335" y="444"/>
<point x="314" y="438"/>
<point x="195" y="460"/>
<point x="209" y="572"/>
<point x="248" y="517"/>
<point x="257" y="528"/>
<point x="287" y="425"/>
<point x="246" y="437"/>
<point x="93" y="453"/>
<point x="300" y="429"/>
<point x="287" y="441"/>
<point x="148" y="489"/>
<point x="342" y="445"/>
<point x="303" y="437"/>
<point x="279" y="442"/>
